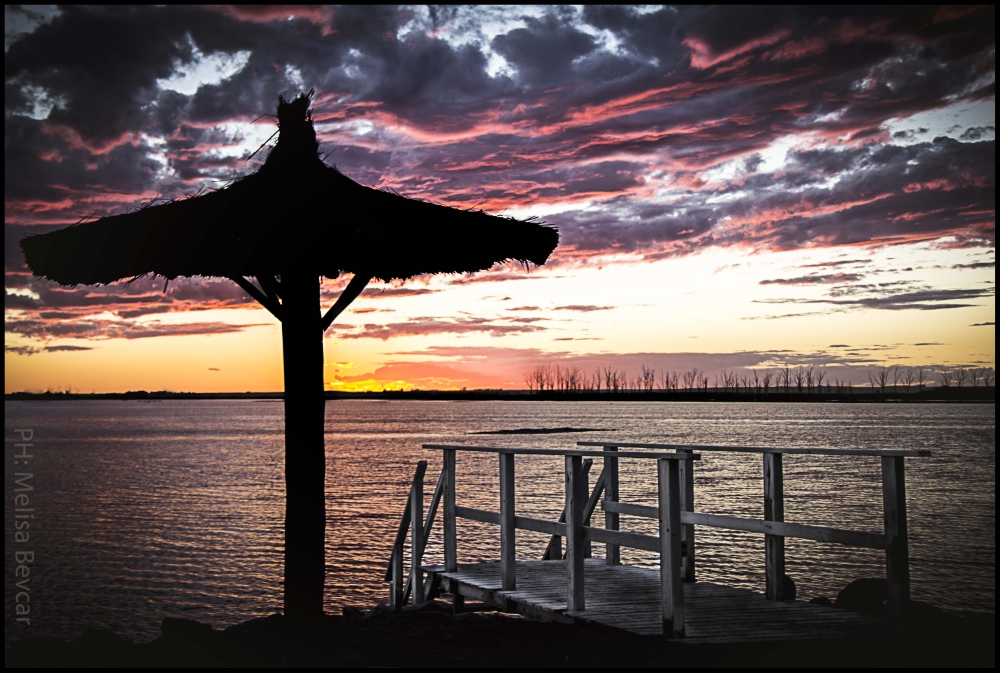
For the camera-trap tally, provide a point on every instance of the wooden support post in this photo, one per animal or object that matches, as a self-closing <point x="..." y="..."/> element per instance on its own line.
<point x="576" y="497"/>
<point x="450" y="520"/>
<point x="686" y="469"/>
<point x="305" y="455"/>
<point x="508" y="533"/>
<point x="396" y="588"/>
<point x="428" y="525"/>
<point x="897" y="557"/>
<point x="672" y="590"/>
<point x="417" y="538"/>
<point x="401" y="587"/>
<point x="613" y="553"/>
<point x="588" y="546"/>
<point x="774" y="510"/>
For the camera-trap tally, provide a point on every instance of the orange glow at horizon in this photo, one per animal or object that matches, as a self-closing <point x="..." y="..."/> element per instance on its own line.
<point x="712" y="303"/>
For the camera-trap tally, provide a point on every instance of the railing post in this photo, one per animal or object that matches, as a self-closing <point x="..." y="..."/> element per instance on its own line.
<point x="576" y="498"/>
<point x="396" y="588"/>
<point x="672" y="591"/>
<point x="774" y="510"/>
<point x="588" y="546"/>
<point x="613" y="554"/>
<point x="451" y="525"/>
<point x="450" y="520"/>
<point x="508" y="578"/>
<point x="686" y="470"/>
<point x="417" y="535"/>
<point x="897" y="557"/>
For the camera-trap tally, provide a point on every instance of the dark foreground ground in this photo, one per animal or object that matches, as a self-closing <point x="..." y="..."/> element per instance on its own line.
<point x="430" y="635"/>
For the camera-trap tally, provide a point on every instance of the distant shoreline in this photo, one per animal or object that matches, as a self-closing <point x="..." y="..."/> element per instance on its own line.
<point x="979" y="395"/>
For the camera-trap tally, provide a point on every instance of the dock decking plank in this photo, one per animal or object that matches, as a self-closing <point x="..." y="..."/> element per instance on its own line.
<point x="628" y="597"/>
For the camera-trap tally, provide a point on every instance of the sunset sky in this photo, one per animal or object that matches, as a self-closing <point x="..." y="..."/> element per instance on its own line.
<point x="734" y="187"/>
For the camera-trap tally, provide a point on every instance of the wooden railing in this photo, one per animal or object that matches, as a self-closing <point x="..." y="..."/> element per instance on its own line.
<point x="674" y="512"/>
<point x="573" y="525"/>
<point x="893" y="540"/>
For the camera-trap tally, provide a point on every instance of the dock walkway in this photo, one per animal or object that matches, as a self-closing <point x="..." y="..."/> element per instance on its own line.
<point x="626" y="597"/>
<point x="667" y="601"/>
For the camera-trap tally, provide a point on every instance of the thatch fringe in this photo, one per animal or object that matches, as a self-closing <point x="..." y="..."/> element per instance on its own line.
<point x="292" y="212"/>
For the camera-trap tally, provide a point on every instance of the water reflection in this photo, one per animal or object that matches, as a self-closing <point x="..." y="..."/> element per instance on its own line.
<point x="158" y="509"/>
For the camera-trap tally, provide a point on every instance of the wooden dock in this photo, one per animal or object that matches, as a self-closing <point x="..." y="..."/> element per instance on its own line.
<point x="626" y="597"/>
<point x="667" y="601"/>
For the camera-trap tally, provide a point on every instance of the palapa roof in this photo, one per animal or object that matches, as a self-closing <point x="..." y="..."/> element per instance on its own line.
<point x="294" y="212"/>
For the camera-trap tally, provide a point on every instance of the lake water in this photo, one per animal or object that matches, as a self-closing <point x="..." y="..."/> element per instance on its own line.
<point x="174" y="508"/>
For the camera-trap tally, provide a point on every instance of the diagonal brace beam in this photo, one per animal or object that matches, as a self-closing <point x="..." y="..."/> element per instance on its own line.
<point x="267" y="302"/>
<point x="271" y="286"/>
<point x="349" y="294"/>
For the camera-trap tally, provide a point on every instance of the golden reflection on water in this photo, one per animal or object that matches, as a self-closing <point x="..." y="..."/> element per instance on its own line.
<point x="158" y="509"/>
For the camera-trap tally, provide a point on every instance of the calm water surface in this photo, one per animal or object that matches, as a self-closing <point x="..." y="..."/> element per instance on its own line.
<point x="155" y="509"/>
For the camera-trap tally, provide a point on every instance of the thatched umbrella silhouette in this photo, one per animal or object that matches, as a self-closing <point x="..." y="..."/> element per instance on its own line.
<point x="286" y="225"/>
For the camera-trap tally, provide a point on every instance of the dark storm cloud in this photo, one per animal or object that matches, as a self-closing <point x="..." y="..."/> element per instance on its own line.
<point x="634" y="112"/>
<point x="544" y="50"/>
<point x="104" y="61"/>
<point x="978" y="132"/>
<point x="917" y="192"/>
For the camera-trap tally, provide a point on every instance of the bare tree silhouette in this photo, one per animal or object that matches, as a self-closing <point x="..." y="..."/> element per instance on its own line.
<point x="908" y="379"/>
<point x="879" y="378"/>
<point x="648" y="378"/>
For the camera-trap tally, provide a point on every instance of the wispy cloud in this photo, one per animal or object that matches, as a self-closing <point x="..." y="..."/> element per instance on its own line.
<point x="884" y="297"/>
<point x="583" y="308"/>
<point x="842" y="262"/>
<point x="429" y="326"/>
<point x="817" y="279"/>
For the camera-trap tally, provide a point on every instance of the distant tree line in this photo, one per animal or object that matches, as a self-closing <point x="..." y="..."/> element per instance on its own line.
<point x="555" y="378"/>
<point x="883" y="378"/>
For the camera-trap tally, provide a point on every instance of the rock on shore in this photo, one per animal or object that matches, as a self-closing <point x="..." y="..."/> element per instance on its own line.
<point x="430" y="635"/>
